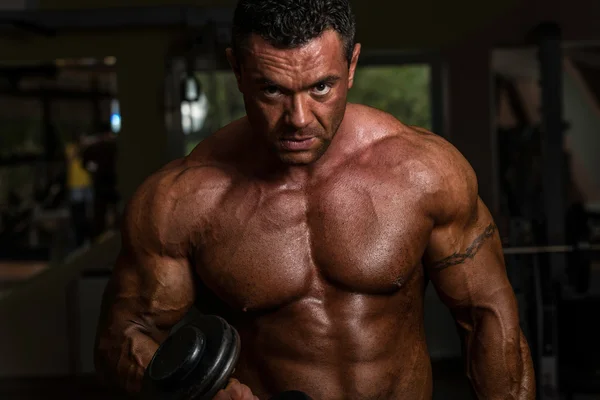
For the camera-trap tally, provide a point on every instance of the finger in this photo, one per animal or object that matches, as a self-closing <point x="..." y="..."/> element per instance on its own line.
<point x="226" y="390"/>
<point x="222" y="395"/>
<point x="236" y="390"/>
<point x="232" y="382"/>
<point x="246" y="393"/>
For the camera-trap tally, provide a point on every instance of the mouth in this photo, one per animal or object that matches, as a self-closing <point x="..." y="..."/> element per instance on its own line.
<point x="297" y="144"/>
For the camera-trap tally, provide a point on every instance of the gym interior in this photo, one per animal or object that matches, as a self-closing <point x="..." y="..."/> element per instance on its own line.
<point x="134" y="84"/>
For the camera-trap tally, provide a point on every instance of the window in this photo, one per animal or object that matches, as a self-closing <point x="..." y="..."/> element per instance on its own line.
<point x="402" y="90"/>
<point x="220" y="103"/>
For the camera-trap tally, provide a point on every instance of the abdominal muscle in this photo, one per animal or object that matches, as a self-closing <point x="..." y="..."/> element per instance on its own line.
<point x="335" y="355"/>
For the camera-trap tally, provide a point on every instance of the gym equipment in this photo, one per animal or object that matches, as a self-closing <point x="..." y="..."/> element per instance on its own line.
<point x="549" y="41"/>
<point x="550" y="249"/>
<point x="196" y="361"/>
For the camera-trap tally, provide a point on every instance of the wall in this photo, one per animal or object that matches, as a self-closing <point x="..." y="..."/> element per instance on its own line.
<point x="14" y="5"/>
<point x="583" y="115"/>
<point x="34" y="341"/>
<point x="391" y="25"/>
<point x="427" y="23"/>
<point x="580" y="111"/>
<point x="90" y="291"/>
<point x="48" y="319"/>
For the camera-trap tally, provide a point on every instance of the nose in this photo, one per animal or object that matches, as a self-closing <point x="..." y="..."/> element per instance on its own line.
<point x="299" y="115"/>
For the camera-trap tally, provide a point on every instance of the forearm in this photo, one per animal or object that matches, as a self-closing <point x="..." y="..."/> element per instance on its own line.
<point x="122" y="355"/>
<point x="499" y="363"/>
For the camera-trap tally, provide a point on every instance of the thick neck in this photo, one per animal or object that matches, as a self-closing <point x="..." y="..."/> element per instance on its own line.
<point x="272" y="168"/>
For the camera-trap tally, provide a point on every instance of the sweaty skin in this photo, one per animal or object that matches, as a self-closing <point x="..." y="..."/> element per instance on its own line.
<point x="321" y="268"/>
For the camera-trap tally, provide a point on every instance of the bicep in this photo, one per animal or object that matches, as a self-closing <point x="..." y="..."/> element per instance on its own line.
<point x="152" y="284"/>
<point x="151" y="291"/>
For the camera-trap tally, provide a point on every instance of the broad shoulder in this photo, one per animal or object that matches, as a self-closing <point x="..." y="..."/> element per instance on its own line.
<point x="168" y="206"/>
<point x="426" y="162"/>
<point x="390" y="141"/>
<point x="438" y="169"/>
<point x="179" y="181"/>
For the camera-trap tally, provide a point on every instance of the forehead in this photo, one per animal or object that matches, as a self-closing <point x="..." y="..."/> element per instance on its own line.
<point x="321" y="56"/>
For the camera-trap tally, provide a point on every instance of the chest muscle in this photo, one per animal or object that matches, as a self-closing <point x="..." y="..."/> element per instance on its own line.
<point x="266" y="249"/>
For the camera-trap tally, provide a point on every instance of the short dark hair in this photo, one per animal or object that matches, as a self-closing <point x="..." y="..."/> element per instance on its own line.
<point x="293" y="23"/>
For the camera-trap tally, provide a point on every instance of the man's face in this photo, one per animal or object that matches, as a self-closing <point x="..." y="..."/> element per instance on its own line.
<point x="296" y="98"/>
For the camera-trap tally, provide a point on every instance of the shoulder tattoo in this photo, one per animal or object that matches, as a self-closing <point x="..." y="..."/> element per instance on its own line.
<point x="470" y="252"/>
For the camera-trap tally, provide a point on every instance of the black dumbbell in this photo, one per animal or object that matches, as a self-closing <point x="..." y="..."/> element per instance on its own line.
<point x="196" y="361"/>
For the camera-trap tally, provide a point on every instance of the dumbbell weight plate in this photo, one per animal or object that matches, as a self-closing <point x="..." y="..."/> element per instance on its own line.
<point x="195" y="362"/>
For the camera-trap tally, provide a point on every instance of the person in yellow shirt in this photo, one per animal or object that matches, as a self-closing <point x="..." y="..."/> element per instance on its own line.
<point x="79" y="186"/>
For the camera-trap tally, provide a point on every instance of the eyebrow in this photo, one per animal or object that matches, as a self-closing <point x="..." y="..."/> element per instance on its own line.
<point x="327" y="79"/>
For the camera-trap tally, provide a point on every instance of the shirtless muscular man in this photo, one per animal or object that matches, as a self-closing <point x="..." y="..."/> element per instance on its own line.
<point x="312" y="226"/>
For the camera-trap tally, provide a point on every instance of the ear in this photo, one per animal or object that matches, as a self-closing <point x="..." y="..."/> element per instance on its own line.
<point x="235" y="67"/>
<point x="353" y="63"/>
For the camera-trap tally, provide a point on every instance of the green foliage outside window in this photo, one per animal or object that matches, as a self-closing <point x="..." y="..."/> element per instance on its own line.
<point x="402" y="91"/>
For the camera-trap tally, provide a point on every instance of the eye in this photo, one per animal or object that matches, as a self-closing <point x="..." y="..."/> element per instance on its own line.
<point x="321" y="89"/>
<point x="272" y="91"/>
